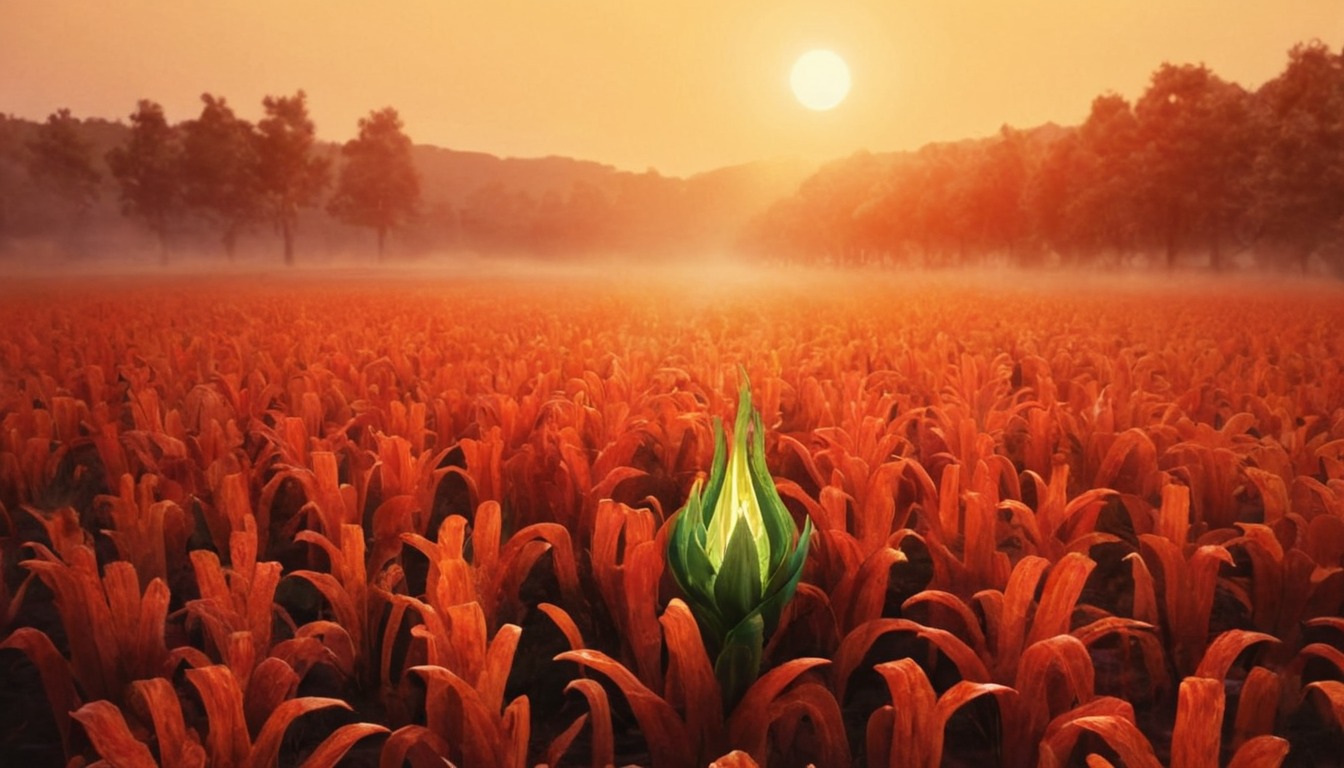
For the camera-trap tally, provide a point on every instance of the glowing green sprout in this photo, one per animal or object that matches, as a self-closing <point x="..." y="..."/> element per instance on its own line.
<point x="739" y="567"/>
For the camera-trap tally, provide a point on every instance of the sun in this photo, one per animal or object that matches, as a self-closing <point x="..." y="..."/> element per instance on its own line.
<point x="820" y="79"/>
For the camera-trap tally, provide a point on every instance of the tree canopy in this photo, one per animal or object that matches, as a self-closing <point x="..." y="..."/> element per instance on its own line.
<point x="378" y="186"/>
<point x="60" y="158"/>
<point x="148" y="169"/>
<point x="221" y="176"/>
<point x="1197" y="168"/>
<point x="291" y="175"/>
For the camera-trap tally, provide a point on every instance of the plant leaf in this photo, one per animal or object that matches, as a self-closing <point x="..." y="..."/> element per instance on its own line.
<point x="1065" y="583"/>
<point x="1264" y="751"/>
<point x="737" y="585"/>
<point x="690" y="673"/>
<point x="1225" y="649"/>
<point x="159" y="700"/>
<point x="669" y="743"/>
<point x="334" y="747"/>
<point x="1197" y="737"/>
<point x="1333" y="691"/>
<point x="599" y="715"/>
<point x="401" y="746"/>
<point x="750" y="721"/>
<point x="111" y="737"/>
<point x="54" y="671"/>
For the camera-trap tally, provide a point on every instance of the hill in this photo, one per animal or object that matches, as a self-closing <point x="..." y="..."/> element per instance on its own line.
<point x="471" y="202"/>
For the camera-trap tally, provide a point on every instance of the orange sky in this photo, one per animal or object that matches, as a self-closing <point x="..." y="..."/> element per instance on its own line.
<point x="678" y="86"/>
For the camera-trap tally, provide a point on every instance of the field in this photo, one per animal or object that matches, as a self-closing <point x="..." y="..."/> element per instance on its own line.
<point x="388" y="519"/>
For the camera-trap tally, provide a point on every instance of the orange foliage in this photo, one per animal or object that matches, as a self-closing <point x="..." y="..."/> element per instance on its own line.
<point x="445" y="507"/>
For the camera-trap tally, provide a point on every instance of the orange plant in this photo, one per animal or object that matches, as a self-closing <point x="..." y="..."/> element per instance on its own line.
<point x="1094" y="525"/>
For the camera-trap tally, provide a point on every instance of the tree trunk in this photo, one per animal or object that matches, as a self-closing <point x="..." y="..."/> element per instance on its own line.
<point x="287" y="232"/>
<point x="1172" y="235"/>
<point x="382" y="240"/>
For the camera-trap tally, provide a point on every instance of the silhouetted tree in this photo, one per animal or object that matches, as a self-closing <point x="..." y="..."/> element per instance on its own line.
<point x="291" y="176"/>
<point x="1103" y="211"/>
<point x="378" y="186"/>
<point x="60" y="159"/>
<point x="9" y="175"/>
<point x="1299" y="173"/>
<point x="220" y="173"/>
<point x="148" y="169"/>
<point x="1196" y="157"/>
<point x="1050" y="193"/>
<point x="991" y="192"/>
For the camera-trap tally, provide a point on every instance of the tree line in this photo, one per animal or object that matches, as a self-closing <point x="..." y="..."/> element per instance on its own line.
<point x="230" y="174"/>
<point x="65" y="184"/>
<point x="1198" y="169"/>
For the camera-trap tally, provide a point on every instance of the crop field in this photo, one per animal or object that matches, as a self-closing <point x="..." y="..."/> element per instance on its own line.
<point x="389" y="520"/>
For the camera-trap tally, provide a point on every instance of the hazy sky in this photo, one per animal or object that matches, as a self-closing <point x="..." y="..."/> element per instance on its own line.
<point x="679" y="86"/>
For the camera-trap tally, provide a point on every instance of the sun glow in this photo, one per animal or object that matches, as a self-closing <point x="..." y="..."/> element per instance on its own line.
<point x="820" y="79"/>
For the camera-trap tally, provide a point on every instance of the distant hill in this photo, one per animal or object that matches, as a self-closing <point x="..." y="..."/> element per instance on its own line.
<point x="470" y="202"/>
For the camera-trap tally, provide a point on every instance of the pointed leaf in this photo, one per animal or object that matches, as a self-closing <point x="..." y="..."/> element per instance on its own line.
<point x="564" y="623"/>
<point x="599" y="715"/>
<point x="737" y="586"/>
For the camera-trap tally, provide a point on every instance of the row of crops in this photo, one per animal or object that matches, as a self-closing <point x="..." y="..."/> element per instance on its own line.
<point x="301" y="521"/>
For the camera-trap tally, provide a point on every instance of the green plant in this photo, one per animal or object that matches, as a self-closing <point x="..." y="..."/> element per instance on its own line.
<point x="740" y="566"/>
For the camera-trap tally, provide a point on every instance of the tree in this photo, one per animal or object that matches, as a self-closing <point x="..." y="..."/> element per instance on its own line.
<point x="147" y="168"/>
<point x="1299" y="172"/>
<point x="12" y="185"/>
<point x="378" y="186"/>
<point x="991" y="191"/>
<point x="1197" y="156"/>
<point x="220" y="174"/>
<point x="290" y="176"/>
<point x="1048" y="196"/>
<point x="60" y="159"/>
<point x="1102" y="214"/>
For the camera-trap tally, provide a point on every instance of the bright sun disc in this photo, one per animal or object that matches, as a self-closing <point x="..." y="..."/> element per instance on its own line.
<point x="820" y="79"/>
